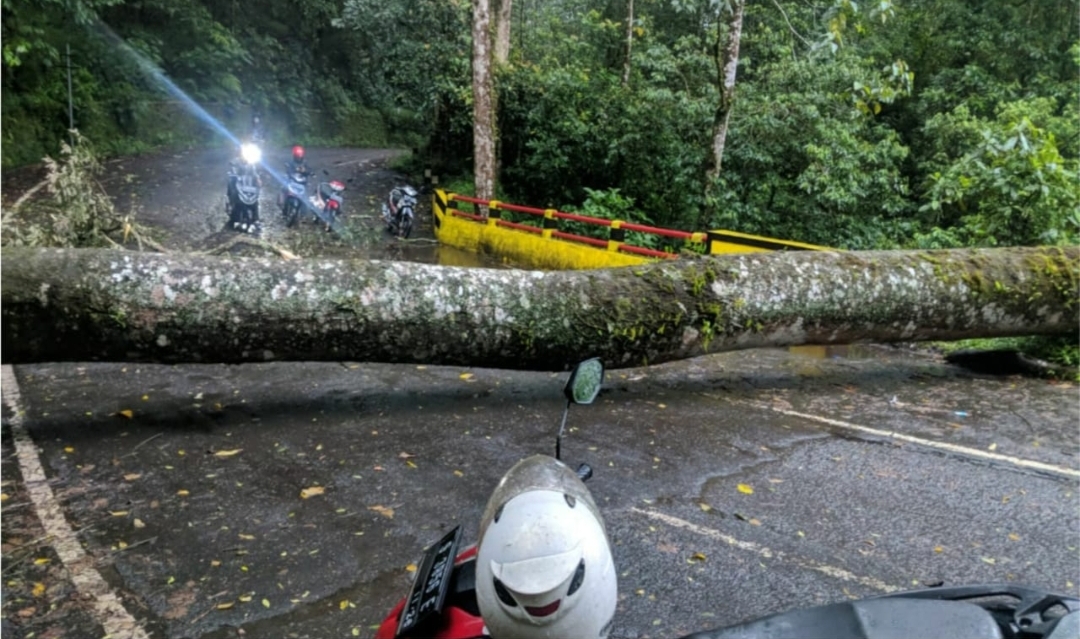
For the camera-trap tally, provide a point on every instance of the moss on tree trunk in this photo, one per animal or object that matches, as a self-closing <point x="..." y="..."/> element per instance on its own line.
<point x="81" y="305"/>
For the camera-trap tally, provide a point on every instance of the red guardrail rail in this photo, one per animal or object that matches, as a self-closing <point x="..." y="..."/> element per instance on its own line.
<point x="550" y="217"/>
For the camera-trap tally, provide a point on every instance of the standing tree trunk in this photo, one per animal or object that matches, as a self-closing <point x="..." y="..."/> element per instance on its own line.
<point x="483" y="103"/>
<point x="727" y="61"/>
<point x="83" y="305"/>
<point x="629" y="41"/>
<point x="502" y="32"/>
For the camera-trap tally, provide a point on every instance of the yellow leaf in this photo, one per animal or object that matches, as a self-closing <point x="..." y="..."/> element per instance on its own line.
<point x="705" y="507"/>
<point x="244" y="598"/>
<point x="39" y="589"/>
<point x="41" y="561"/>
<point x="989" y="560"/>
<point x="698" y="556"/>
<point x="226" y="605"/>
<point x="145" y="397"/>
<point x="171" y="580"/>
<point x="1014" y="537"/>
<point x="344" y="604"/>
<point x="118" y="513"/>
<point x="356" y="632"/>
<point x="266" y="603"/>
<point x="939" y="549"/>
<point x="215" y="562"/>
<point x="383" y="510"/>
<point x="312" y="491"/>
<point x="132" y="476"/>
<point x="466" y="376"/>
<point x="247" y="537"/>
<point x="459" y="473"/>
<point x="127" y="412"/>
<point x="121" y="544"/>
<point x="227" y="453"/>
<point x="410" y="568"/>
<point x="182" y="492"/>
<point x="138" y="523"/>
<point x="410" y="463"/>
<point x="745" y="489"/>
<point x="662" y="405"/>
<point x="4" y="496"/>
<point x="69" y="449"/>
<point x="992" y="446"/>
<point x="754" y="522"/>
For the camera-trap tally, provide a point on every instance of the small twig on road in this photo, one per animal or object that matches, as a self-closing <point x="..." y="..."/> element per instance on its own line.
<point x="143" y="443"/>
<point x="148" y="540"/>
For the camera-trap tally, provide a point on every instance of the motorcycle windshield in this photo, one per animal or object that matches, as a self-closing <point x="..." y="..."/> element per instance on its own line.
<point x="539" y="472"/>
<point x="296" y="189"/>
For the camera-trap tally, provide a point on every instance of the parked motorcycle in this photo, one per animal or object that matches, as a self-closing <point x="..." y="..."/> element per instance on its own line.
<point x="294" y="198"/>
<point x="542" y="568"/>
<point x="327" y="201"/>
<point x="543" y="559"/>
<point x="245" y="185"/>
<point x="399" y="211"/>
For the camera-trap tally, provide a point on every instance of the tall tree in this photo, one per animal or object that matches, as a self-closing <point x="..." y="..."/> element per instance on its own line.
<point x="483" y="102"/>
<point x="629" y="41"/>
<point x="502" y="31"/>
<point x="728" y="34"/>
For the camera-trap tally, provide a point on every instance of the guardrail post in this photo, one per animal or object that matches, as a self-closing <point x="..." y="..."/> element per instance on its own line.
<point x="493" y="213"/>
<point x="616" y="235"/>
<point x="550" y="223"/>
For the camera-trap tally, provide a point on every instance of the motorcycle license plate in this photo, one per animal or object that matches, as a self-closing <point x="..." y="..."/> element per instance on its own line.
<point x="432" y="582"/>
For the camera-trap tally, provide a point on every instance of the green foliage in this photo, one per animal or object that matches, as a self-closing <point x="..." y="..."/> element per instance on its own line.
<point x="77" y="212"/>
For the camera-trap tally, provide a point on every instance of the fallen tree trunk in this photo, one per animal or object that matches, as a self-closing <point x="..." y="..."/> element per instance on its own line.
<point x="82" y="305"/>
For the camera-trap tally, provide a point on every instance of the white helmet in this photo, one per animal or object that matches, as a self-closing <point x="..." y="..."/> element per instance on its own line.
<point x="543" y="566"/>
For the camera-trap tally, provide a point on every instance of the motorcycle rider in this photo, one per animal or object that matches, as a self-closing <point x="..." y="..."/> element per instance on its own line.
<point x="397" y="194"/>
<point x="295" y="165"/>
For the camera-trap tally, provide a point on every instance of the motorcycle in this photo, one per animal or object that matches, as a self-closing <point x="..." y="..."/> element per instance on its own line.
<point x="399" y="211"/>
<point x="453" y="592"/>
<point x="294" y="198"/>
<point x="451" y="588"/>
<point x="327" y="201"/>
<point x="245" y="185"/>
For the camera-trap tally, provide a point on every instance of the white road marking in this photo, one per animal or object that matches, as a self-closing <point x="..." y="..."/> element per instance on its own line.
<point x="110" y="613"/>
<point x="952" y="448"/>
<point x="766" y="552"/>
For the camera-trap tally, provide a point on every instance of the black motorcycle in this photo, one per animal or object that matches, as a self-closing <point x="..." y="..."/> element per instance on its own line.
<point x="245" y="186"/>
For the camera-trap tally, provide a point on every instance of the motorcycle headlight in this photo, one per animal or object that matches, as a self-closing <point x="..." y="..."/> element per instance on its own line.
<point x="251" y="153"/>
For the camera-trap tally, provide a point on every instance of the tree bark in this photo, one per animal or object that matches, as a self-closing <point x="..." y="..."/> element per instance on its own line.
<point x="483" y="107"/>
<point x="502" y="31"/>
<point x="727" y="62"/>
<point x="84" y="305"/>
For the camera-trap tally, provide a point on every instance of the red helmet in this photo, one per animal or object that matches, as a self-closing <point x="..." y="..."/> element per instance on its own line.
<point x="298" y="152"/>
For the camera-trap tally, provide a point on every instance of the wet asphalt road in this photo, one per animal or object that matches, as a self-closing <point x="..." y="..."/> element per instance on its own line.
<point x="733" y="485"/>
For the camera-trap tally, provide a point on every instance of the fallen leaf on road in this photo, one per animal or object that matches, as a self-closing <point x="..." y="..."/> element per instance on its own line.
<point x="466" y="376"/>
<point x="127" y="412"/>
<point x="69" y="449"/>
<point x="312" y="491"/>
<point x="383" y="510"/>
<point x="41" y="561"/>
<point x="1014" y="537"/>
<point x="182" y="493"/>
<point x="138" y="523"/>
<point x="696" y="557"/>
<point x="39" y="589"/>
<point x="459" y="473"/>
<point x="989" y="560"/>
<point x="226" y="605"/>
<point x="227" y="453"/>
<point x="410" y="568"/>
<point x="4" y="496"/>
<point x="215" y="562"/>
<point x="118" y="513"/>
<point x="939" y="549"/>
<point x="745" y="489"/>
<point x="344" y="604"/>
<point x="705" y="507"/>
<point x="132" y="476"/>
<point x="247" y="537"/>
<point x="404" y="455"/>
<point x="245" y="598"/>
<point x="266" y="603"/>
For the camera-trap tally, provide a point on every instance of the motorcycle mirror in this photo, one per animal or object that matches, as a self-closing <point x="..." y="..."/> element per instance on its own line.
<point x="585" y="381"/>
<point x="582" y="388"/>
